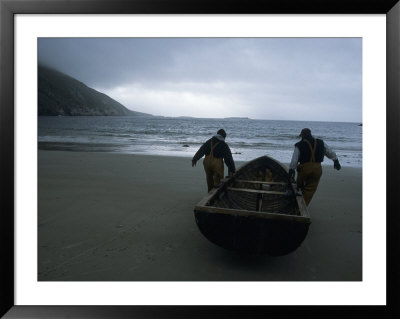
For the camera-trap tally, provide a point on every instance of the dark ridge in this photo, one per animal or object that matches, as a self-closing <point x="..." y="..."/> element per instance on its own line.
<point x="60" y="94"/>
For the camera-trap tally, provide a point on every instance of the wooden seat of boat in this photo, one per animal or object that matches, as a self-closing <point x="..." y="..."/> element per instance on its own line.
<point x="256" y="191"/>
<point x="259" y="182"/>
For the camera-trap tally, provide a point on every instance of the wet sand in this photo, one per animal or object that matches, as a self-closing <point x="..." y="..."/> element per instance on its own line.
<point x="119" y="217"/>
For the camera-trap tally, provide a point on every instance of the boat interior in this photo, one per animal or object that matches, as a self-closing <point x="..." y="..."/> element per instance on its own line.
<point x="260" y="187"/>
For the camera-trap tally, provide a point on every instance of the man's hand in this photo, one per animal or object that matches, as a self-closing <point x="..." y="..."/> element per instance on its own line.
<point x="193" y="163"/>
<point x="336" y="164"/>
<point x="291" y="174"/>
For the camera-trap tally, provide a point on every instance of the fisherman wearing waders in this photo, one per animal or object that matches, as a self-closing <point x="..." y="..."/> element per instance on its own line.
<point x="216" y="151"/>
<point x="310" y="152"/>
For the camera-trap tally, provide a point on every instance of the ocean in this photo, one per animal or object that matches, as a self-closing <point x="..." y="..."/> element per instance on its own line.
<point x="247" y="138"/>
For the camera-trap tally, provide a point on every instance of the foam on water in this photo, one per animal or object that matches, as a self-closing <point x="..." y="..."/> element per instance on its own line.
<point x="247" y="138"/>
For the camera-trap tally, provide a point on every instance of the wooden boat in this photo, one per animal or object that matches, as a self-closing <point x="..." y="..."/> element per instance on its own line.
<point x="256" y="210"/>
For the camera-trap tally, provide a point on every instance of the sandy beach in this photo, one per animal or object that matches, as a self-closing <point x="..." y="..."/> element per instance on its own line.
<point x="120" y="217"/>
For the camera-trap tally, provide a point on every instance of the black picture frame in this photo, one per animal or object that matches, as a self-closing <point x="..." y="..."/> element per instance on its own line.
<point x="8" y="10"/>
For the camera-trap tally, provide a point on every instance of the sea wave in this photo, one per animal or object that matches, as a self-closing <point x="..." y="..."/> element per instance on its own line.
<point x="183" y="137"/>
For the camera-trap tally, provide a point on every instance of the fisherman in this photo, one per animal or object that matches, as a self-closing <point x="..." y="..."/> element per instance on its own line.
<point x="310" y="152"/>
<point x="215" y="149"/>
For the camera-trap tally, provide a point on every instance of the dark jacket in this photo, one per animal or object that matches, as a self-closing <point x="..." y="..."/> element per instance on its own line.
<point x="222" y="150"/>
<point x="305" y="152"/>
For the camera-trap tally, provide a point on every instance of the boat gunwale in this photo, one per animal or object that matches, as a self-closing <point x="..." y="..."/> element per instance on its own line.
<point x="251" y="213"/>
<point x="203" y="205"/>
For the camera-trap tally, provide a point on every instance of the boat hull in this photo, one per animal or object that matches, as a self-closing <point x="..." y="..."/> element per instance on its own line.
<point x="251" y="234"/>
<point x="255" y="211"/>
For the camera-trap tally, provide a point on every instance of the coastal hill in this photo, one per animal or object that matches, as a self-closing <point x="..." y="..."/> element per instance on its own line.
<point x="60" y="94"/>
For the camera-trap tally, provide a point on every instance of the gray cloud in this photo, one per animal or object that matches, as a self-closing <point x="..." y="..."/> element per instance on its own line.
<point x="269" y="78"/>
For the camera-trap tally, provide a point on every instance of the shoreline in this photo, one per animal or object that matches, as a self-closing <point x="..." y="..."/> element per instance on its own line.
<point x="83" y="148"/>
<point x="129" y="217"/>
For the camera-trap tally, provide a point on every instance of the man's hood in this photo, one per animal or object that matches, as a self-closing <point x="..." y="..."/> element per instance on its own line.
<point x="219" y="137"/>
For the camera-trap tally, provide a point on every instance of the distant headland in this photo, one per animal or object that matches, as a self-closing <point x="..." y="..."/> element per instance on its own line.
<point x="62" y="95"/>
<point x="237" y="118"/>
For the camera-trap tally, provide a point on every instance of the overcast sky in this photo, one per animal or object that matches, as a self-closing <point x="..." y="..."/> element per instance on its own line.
<point x="318" y="79"/>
